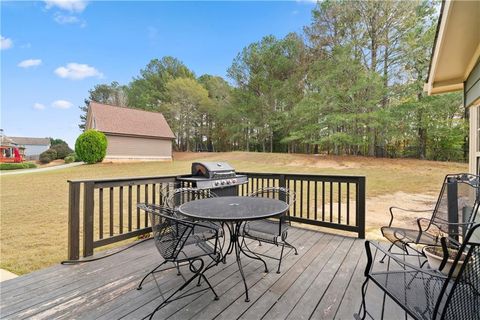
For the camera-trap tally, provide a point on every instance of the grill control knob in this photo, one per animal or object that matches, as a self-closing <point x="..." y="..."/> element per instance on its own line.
<point x="234" y="180"/>
<point x="229" y="181"/>
<point x="216" y="183"/>
<point x="223" y="182"/>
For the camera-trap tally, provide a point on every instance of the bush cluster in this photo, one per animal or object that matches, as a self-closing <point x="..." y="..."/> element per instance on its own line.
<point x="62" y="149"/>
<point x="15" y="166"/>
<point x="91" y="146"/>
<point x="48" y="156"/>
<point x="56" y="151"/>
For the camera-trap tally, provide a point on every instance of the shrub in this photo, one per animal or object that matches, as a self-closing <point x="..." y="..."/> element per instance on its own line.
<point x="69" y="159"/>
<point x="62" y="149"/>
<point x="15" y="166"/>
<point x="91" y="146"/>
<point x="75" y="157"/>
<point x="48" y="156"/>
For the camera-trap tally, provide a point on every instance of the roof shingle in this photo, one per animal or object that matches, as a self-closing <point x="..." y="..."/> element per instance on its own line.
<point x="128" y="121"/>
<point x="31" y="141"/>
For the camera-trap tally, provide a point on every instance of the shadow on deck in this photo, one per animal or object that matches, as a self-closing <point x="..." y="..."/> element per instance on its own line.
<point x="322" y="282"/>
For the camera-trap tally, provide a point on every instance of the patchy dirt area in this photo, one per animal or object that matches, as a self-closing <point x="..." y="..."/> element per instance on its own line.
<point x="378" y="214"/>
<point x="316" y="160"/>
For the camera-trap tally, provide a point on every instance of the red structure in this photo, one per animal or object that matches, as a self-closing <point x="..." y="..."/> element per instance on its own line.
<point x="10" y="154"/>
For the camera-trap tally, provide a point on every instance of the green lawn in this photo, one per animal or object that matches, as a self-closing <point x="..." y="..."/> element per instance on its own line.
<point x="34" y="206"/>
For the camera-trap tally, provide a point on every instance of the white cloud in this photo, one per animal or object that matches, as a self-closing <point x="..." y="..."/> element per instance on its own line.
<point x="77" y="71"/>
<point x="62" y="104"/>
<point x="30" y="63"/>
<point x="38" y="106"/>
<point x="68" y="5"/>
<point x="5" y="43"/>
<point x="66" y="19"/>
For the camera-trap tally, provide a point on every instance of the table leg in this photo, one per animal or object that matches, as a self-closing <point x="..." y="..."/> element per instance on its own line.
<point x="253" y="254"/>
<point x="236" y="244"/>
<point x="230" y="244"/>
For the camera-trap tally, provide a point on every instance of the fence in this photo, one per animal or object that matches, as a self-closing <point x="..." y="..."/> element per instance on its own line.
<point x="110" y="214"/>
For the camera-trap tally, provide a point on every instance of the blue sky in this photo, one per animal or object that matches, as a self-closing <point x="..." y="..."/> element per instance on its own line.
<point x="53" y="52"/>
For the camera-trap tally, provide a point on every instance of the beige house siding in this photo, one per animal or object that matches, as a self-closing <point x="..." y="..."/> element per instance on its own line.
<point x="136" y="148"/>
<point x="474" y="147"/>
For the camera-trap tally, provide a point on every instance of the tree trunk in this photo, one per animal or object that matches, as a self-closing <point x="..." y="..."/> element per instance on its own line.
<point x="422" y="139"/>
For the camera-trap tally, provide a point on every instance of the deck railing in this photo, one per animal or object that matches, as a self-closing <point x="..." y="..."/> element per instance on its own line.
<point x="110" y="214"/>
<point x="336" y="202"/>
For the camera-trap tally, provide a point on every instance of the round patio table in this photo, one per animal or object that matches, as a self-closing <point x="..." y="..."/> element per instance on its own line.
<point x="233" y="212"/>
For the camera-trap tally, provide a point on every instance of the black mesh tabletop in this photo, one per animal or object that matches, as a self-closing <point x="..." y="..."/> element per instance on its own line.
<point x="233" y="208"/>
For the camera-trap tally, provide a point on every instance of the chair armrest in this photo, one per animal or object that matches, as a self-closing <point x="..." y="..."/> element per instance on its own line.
<point x="437" y="222"/>
<point x="395" y="257"/>
<point x="405" y="210"/>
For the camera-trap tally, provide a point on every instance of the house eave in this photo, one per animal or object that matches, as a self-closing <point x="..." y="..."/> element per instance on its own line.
<point x="456" y="49"/>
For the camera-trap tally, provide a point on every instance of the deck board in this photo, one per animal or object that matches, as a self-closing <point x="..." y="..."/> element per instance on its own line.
<point x="322" y="282"/>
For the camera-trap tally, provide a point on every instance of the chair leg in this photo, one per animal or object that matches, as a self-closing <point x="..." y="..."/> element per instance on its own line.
<point x="362" y="313"/>
<point x="208" y="283"/>
<point x="151" y="272"/>
<point x="291" y="246"/>
<point x="178" y="269"/>
<point x="255" y="256"/>
<point x="167" y="300"/>
<point x="281" y="256"/>
<point x="384" y="256"/>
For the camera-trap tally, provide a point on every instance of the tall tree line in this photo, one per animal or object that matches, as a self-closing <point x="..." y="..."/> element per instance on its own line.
<point x="351" y="83"/>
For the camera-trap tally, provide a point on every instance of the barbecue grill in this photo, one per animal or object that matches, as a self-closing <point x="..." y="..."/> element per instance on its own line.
<point x="218" y="176"/>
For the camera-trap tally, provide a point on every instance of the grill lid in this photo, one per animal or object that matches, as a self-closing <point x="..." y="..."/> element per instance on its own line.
<point x="211" y="169"/>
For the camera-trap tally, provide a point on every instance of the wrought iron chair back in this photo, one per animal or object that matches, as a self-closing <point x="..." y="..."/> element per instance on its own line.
<point x="457" y="205"/>
<point x="169" y="233"/>
<point x="180" y="196"/>
<point x="278" y="193"/>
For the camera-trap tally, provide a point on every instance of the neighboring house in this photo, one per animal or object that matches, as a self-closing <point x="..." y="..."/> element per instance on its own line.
<point x="455" y="64"/>
<point x="33" y="146"/>
<point x="132" y="134"/>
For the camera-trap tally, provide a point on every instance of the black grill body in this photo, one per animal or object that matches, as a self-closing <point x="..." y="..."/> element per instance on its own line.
<point x="220" y="177"/>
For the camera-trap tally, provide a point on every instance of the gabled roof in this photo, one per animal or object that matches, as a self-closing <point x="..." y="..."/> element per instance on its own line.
<point x="457" y="46"/>
<point x="31" y="141"/>
<point x="128" y="121"/>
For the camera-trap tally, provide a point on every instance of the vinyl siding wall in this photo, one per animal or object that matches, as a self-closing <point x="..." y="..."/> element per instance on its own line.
<point x="472" y="100"/>
<point x="35" y="150"/>
<point x="124" y="148"/>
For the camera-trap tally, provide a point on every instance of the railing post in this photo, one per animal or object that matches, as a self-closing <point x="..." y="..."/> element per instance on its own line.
<point x="452" y="208"/>
<point x="73" y="220"/>
<point x="361" y="208"/>
<point x="282" y="183"/>
<point x="88" y="210"/>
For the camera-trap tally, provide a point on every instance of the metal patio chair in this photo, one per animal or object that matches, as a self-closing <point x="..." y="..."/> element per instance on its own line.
<point x="454" y="213"/>
<point x="179" y="196"/>
<point x="177" y="243"/>
<point x="426" y="293"/>
<point x="272" y="230"/>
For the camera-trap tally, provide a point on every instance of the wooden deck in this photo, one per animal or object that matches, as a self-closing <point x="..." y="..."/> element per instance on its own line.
<point x="322" y="282"/>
